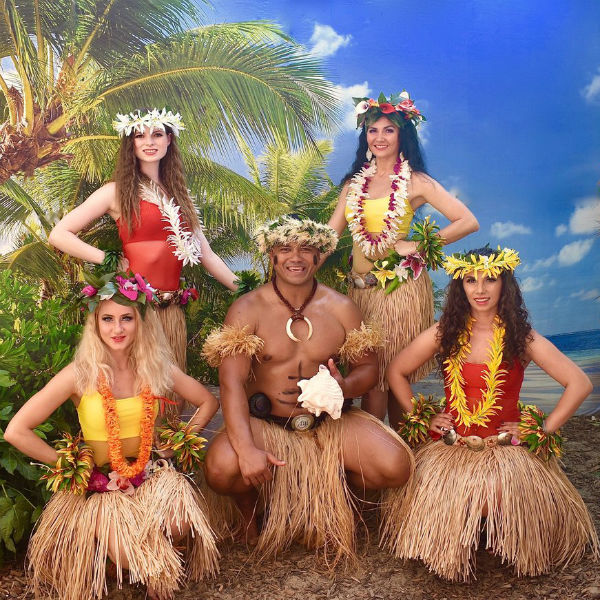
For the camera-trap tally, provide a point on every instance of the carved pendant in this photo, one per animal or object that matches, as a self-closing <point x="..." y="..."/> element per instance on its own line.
<point x="288" y="328"/>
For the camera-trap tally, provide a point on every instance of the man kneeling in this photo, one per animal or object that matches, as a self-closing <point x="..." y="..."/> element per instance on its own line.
<point x="291" y="438"/>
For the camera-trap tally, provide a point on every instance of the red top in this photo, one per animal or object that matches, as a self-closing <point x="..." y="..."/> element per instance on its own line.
<point x="508" y="401"/>
<point x="147" y="250"/>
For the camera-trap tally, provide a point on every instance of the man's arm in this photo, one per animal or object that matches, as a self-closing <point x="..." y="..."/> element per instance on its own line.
<point x="233" y="374"/>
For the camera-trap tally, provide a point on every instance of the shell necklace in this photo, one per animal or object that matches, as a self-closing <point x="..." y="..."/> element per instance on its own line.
<point x="296" y="312"/>
<point x="357" y="194"/>
<point x="492" y="377"/>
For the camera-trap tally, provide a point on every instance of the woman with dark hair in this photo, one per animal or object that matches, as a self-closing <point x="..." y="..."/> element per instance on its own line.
<point x="493" y="478"/>
<point x="156" y="218"/>
<point x="378" y="202"/>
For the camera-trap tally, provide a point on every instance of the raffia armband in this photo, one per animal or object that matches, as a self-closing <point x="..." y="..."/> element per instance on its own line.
<point x="359" y="341"/>
<point x="230" y="340"/>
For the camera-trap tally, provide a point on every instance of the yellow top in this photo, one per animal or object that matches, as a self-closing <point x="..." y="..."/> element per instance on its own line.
<point x="93" y="424"/>
<point x="375" y="209"/>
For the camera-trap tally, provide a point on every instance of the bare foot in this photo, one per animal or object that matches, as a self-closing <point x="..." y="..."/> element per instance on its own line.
<point x="248" y="531"/>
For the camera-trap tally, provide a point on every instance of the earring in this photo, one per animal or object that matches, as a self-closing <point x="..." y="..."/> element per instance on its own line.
<point x="369" y="154"/>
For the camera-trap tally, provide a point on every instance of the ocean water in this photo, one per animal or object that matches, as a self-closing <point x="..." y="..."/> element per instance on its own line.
<point x="582" y="347"/>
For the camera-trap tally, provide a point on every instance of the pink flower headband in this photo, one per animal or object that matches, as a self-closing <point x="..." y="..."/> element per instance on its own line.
<point x="399" y="108"/>
<point x="124" y="288"/>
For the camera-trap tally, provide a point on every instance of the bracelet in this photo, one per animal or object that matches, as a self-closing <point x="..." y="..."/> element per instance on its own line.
<point x="110" y="263"/>
<point x="414" y="426"/>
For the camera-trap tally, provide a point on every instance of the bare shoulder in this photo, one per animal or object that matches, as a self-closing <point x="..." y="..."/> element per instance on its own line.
<point x="341" y="306"/>
<point x="246" y="309"/>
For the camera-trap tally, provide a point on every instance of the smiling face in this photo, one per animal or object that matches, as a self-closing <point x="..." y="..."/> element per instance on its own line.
<point x="151" y="147"/>
<point x="482" y="293"/>
<point x="295" y="263"/>
<point x="117" y="325"/>
<point x="383" y="138"/>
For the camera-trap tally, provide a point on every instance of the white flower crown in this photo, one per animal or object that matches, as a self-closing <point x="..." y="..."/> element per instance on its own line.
<point x="153" y="119"/>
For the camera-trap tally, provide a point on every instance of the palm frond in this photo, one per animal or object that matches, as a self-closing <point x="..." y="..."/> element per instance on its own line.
<point x="36" y="260"/>
<point x="18" y="194"/>
<point x="254" y="31"/>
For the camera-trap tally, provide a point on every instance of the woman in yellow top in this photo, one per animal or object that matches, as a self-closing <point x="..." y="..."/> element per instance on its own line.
<point x="377" y="202"/>
<point x="131" y="511"/>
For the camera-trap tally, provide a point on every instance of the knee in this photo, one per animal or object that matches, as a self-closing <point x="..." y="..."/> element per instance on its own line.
<point x="394" y="469"/>
<point x="221" y="468"/>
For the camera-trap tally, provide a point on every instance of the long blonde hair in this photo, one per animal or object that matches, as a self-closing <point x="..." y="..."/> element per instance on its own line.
<point x="129" y="180"/>
<point x="150" y="357"/>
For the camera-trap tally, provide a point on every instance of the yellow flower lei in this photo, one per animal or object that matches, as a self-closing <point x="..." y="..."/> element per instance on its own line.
<point x="492" y="378"/>
<point x="505" y="259"/>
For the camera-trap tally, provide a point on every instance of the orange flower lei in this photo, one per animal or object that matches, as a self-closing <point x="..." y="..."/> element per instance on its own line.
<point x="115" y="449"/>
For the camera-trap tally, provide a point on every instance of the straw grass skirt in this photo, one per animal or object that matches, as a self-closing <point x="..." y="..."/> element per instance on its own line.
<point x="172" y="319"/>
<point x="536" y="519"/>
<point x="68" y="551"/>
<point x="402" y="316"/>
<point x="309" y="500"/>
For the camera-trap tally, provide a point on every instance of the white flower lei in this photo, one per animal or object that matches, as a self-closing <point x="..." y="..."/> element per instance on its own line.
<point x="186" y="245"/>
<point x="371" y="244"/>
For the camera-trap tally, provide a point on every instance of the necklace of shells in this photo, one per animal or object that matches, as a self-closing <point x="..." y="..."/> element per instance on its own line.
<point x="296" y="312"/>
<point x="493" y="376"/>
<point x="358" y="192"/>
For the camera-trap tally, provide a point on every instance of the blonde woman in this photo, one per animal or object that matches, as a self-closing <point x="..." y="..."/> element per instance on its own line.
<point x="129" y="508"/>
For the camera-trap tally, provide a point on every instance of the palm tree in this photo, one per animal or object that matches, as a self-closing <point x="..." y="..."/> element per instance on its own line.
<point x="78" y="63"/>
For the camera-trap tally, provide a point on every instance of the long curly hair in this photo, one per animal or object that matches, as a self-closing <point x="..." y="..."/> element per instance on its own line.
<point x="410" y="147"/>
<point x="511" y="309"/>
<point x="129" y="178"/>
<point x="150" y="357"/>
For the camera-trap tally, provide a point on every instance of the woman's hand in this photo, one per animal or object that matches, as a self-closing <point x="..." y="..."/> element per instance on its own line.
<point x="511" y="427"/>
<point x="441" y="423"/>
<point x="405" y="247"/>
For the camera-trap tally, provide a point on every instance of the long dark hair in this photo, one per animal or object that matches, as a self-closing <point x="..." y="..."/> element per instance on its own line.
<point x="410" y="147"/>
<point x="511" y="309"/>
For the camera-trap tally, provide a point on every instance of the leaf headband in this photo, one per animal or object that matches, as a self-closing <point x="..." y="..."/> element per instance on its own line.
<point x="122" y="288"/>
<point x="399" y="108"/>
<point x="458" y="265"/>
<point x="286" y="230"/>
<point x="153" y="119"/>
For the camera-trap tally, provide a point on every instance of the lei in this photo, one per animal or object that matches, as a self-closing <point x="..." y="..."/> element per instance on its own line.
<point x="185" y="244"/>
<point x="493" y="377"/>
<point x="115" y="449"/>
<point x="358" y="193"/>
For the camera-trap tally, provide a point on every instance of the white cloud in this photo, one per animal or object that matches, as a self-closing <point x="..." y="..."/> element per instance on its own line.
<point x="572" y="253"/>
<point x="326" y="41"/>
<point x="503" y="230"/>
<point x="586" y="217"/>
<point x="586" y="295"/>
<point x="345" y="95"/>
<point x="561" y="229"/>
<point x="541" y="263"/>
<point x="424" y="133"/>
<point x="530" y="284"/>
<point x="591" y="92"/>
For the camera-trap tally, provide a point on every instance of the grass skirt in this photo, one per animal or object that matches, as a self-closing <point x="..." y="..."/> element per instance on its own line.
<point x="309" y="500"/>
<point x="68" y="551"/>
<point x="172" y="319"/>
<point x="402" y="316"/>
<point x="536" y="519"/>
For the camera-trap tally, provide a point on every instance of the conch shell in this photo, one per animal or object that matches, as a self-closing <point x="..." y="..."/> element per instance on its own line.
<point x="321" y="393"/>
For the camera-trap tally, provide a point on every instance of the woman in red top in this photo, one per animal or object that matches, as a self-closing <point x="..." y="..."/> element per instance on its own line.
<point x="534" y="518"/>
<point x="156" y="218"/>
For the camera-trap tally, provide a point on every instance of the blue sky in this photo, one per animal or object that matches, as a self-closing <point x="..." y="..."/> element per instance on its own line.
<point x="511" y="91"/>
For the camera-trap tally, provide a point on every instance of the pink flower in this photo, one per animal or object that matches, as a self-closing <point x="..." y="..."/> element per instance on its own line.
<point x="415" y="263"/>
<point x="189" y="293"/>
<point x="89" y="290"/>
<point x="127" y="288"/>
<point x="97" y="481"/>
<point x="119" y="483"/>
<point x="145" y="289"/>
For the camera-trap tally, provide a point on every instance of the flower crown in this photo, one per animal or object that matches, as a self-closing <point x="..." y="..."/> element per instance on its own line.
<point x="153" y="119"/>
<point x="399" y="109"/>
<point x="458" y="265"/>
<point x="123" y="288"/>
<point x="286" y="230"/>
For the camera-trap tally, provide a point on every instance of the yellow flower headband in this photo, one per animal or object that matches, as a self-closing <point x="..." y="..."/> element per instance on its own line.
<point x="458" y="265"/>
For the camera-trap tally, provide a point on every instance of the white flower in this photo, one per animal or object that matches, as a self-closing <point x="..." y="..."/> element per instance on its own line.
<point x="404" y="95"/>
<point x="401" y="273"/>
<point x="361" y="107"/>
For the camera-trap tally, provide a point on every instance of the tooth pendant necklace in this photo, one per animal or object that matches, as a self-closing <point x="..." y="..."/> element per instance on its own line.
<point x="296" y="312"/>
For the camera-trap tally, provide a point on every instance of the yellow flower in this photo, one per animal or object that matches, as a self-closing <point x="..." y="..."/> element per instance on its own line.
<point x="382" y="274"/>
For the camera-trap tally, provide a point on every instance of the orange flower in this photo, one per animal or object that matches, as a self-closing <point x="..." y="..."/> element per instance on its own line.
<point x="115" y="449"/>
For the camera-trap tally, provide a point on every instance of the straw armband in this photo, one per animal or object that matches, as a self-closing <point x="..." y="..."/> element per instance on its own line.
<point x="72" y="470"/>
<point x="360" y="341"/>
<point x="414" y="426"/>
<point x="230" y="340"/>
<point x="536" y="439"/>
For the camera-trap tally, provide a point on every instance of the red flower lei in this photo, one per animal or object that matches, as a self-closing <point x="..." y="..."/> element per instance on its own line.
<point x="115" y="448"/>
